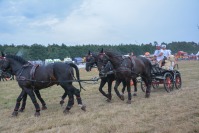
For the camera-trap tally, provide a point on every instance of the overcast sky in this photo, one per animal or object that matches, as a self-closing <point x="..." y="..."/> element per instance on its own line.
<point x="80" y="22"/>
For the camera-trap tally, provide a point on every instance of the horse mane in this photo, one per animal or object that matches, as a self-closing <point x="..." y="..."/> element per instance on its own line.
<point x="17" y="58"/>
<point x="94" y="55"/>
<point x="113" y="53"/>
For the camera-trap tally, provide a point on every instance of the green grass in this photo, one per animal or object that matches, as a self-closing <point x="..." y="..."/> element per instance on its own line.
<point x="174" y="112"/>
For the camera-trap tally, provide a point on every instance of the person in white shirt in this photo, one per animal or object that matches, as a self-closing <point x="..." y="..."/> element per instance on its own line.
<point x="159" y="55"/>
<point x="166" y="52"/>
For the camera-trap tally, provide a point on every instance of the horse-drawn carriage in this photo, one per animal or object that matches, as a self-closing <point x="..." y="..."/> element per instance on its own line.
<point x="169" y="78"/>
<point x="127" y="69"/>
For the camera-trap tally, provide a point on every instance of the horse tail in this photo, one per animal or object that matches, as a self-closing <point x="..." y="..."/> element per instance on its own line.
<point x="77" y="74"/>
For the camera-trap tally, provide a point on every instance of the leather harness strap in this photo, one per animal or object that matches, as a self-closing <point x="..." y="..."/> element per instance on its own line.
<point x="133" y="62"/>
<point x="32" y="71"/>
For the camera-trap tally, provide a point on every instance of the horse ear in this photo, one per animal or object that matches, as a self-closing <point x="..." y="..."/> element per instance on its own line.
<point x="3" y="55"/>
<point x="102" y="50"/>
<point x="89" y="52"/>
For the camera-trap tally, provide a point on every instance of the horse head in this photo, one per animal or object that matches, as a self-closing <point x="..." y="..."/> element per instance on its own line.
<point x="105" y="56"/>
<point x="106" y="69"/>
<point x="4" y="63"/>
<point x="90" y="61"/>
<point x="102" y="60"/>
<point x="12" y="63"/>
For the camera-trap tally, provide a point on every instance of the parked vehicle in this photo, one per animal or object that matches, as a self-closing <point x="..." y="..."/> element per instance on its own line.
<point x="48" y="61"/>
<point x="78" y="60"/>
<point x="56" y="60"/>
<point x="68" y="60"/>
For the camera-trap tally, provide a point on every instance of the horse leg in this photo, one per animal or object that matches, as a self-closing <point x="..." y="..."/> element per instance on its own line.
<point x="129" y="92"/>
<point x="23" y="103"/>
<point x="63" y="97"/>
<point x="20" y="97"/>
<point x="147" y="82"/>
<point x="135" y="87"/>
<point x="117" y="83"/>
<point x="13" y="78"/>
<point x="70" y="102"/>
<point x="124" y="86"/>
<point x="41" y="99"/>
<point x="102" y="83"/>
<point x="109" y="90"/>
<point x="34" y="101"/>
<point x="79" y="99"/>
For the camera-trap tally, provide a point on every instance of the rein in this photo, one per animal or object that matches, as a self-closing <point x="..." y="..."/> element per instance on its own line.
<point x="67" y="81"/>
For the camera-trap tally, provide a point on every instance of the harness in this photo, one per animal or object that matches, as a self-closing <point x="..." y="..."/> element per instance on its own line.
<point x="32" y="71"/>
<point x="32" y="74"/>
<point x="123" y="67"/>
<point x="19" y="77"/>
<point x="132" y="63"/>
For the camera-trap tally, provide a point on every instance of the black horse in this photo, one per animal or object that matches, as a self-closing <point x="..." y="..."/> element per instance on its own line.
<point x="33" y="77"/>
<point x="8" y="74"/>
<point x="91" y="60"/>
<point x="127" y="68"/>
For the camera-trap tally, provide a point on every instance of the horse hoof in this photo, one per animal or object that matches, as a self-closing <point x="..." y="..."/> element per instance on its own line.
<point x="66" y="111"/>
<point x="122" y="97"/>
<point x="21" y="110"/>
<point x="83" y="107"/>
<point x="147" y="95"/>
<point x="108" y="100"/>
<point x="61" y="102"/>
<point x="110" y="97"/>
<point x="14" y="113"/>
<point x="44" y="107"/>
<point x="134" y="94"/>
<point x="37" y="114"/>
<point x="128" y="101"/>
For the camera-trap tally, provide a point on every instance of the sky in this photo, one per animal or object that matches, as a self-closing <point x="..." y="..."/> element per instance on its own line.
<point x="78" y="22"/>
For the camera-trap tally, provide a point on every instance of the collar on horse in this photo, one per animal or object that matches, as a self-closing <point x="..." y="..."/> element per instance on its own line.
<point x="133" y="64"/>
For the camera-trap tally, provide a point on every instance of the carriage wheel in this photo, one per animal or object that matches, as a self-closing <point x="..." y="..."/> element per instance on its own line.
<point x="155" y="85"/>
<point x="168" y="82"/>
<point x="178" y="81"/>
<point x="143" y="86"/>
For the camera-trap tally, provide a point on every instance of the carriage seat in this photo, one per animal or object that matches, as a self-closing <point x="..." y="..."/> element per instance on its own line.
<point x="169" y="63"/>
<point x="156" y="70"/>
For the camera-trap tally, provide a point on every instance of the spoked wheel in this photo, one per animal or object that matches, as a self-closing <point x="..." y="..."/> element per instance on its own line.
<point x="178" y="81"/>
<point x="155" y="85"/>
<point x="143" y="86"/>
<point x="168" y="82"/>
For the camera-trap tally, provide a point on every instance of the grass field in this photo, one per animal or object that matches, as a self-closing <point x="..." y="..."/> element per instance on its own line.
<point x="175" y="112"/>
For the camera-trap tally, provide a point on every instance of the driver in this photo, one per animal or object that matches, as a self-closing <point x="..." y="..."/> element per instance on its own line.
<point x="158" y="55"/>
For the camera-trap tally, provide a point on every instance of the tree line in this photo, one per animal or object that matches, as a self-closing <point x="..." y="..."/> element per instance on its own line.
<point x="54" y="51"/>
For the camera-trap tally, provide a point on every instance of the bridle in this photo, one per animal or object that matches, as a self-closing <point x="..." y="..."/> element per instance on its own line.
<point x="91" y="61"/>
<point x="4" y="60"/>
